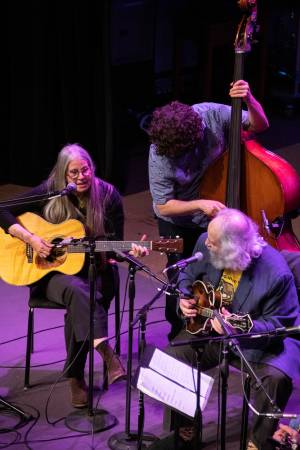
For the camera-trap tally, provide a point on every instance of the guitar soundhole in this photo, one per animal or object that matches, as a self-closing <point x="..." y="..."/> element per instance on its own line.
<point x="56" y="258"/>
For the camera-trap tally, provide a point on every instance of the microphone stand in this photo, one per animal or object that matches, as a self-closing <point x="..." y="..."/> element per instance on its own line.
<point x="231" y="341"/>
<point x="142" y="318"/>
<point x="134" y="440"/>
<point x="197" y="440"/>
<point x="91" y="420"/>
<point x="37" y="198"/>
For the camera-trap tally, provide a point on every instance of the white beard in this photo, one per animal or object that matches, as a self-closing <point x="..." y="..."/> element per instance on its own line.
<point x="222" y="260"/>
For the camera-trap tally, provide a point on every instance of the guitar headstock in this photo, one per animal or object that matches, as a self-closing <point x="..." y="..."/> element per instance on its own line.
<point x="168" y="245"/>
<point x="247" y="26"/>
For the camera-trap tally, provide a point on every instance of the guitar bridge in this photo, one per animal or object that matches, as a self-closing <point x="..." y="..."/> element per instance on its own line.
<point x="29" y="253"/>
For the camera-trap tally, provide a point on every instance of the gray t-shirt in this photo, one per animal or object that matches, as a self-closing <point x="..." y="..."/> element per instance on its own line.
<point x="179" y="178"/>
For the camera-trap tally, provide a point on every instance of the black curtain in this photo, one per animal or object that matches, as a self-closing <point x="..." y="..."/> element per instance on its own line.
<point x="56" y="68"/>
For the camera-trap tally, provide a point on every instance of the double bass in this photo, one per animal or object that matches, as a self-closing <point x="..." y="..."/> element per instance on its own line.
<point x="247" y="176"/>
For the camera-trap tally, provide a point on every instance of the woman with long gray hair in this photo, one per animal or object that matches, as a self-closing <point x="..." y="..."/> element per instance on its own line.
<point x="98" y="205"/>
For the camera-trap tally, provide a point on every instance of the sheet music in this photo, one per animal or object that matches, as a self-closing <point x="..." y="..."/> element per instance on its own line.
<point x="172" y="394"/>
<point x="173" y="383"/>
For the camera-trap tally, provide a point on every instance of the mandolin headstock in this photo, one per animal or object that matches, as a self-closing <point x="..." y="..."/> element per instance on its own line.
<point x="240" y="322"/>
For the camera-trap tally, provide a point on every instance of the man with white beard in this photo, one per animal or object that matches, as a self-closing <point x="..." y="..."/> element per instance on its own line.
<point x="253" y="278"/>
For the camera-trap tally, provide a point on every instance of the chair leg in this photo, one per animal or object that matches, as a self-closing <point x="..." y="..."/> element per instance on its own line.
<point x="29" y="347"/>
<point x="245" y="414"/>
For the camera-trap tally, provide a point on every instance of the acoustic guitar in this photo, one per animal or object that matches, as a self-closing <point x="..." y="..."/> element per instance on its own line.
<point x="21" y="266"/>
<point x="208" y="304"/>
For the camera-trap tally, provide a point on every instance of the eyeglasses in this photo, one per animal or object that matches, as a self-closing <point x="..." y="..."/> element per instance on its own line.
<point x="74" y="173"/>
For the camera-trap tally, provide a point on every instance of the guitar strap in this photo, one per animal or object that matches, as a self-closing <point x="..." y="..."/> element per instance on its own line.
<point x="228" y="285"/>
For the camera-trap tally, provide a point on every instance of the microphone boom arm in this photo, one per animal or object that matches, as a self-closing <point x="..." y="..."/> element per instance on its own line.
<point x="38" y="198"/>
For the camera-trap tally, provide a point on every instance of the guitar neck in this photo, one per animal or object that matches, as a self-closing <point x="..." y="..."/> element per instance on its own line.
<point x="106" y="246"/>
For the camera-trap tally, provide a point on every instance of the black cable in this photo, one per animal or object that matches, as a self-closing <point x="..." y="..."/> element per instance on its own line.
<point x="23" y="421"/>
<point x="61" y="326"/>
<point x="33" y="366"/>
<point x="8" y="444"/>
<point x="25" y="336"/>
<point x="35" y="421"/>
<point x="9" y="412"/>
<point x="59" y="378"/>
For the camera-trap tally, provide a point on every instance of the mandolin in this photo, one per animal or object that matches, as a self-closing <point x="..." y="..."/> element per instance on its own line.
<point x="208" y="302"/>
<point x="21" y="266"/>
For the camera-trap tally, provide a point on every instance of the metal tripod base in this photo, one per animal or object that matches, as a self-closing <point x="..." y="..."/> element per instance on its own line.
<point x="129" y="441"/>
<point x="83" y="422"/>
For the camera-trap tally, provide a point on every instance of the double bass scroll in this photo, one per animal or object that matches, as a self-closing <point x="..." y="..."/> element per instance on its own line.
<point x="249" y="177"/>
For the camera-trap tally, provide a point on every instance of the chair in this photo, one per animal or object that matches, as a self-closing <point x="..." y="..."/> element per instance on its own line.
<point x="293" y="260"/>
<point x="36" y="301"/>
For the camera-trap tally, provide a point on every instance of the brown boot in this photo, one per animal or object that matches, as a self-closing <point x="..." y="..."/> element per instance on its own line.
<point x="114" y="366"/>
<point x="79" y="396"/>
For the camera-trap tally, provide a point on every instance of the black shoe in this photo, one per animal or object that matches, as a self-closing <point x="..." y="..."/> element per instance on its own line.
<point x="168" y="443"/>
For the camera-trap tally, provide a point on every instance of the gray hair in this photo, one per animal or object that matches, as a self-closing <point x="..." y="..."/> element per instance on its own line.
<point x="61" y="208"/>
<point x="240" y="241"/>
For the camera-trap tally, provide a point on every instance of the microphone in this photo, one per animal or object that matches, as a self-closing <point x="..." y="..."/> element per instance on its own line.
<point x="266" y="224"/>
<point x="71" y="187"/>
<point x="286" y="331"/>
<point x="198" y="256"/>
<point x="282" y="331"/>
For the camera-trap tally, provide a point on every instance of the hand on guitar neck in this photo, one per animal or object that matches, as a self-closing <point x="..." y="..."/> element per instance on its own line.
<point x="30" y="255"/>
<point x="43" y="248"/>
<point x="202" y="310"/>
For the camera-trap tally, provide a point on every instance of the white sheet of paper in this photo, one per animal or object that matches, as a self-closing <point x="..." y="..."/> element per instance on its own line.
<point x="174" y="383"/>
<point x="171" y="394"/>
<point x="179" y="372"/>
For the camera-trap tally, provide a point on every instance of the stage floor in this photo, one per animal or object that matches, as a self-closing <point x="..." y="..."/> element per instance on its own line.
<point x="48" y="399"/>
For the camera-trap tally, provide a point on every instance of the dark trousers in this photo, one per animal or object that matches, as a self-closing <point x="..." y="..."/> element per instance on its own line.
<point x="73" y="292"/>
<point x="275" y="382"/>
<point x="190" y="237"/>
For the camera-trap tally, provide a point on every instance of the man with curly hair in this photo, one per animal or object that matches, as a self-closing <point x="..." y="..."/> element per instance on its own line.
<point x="184" y="141"/>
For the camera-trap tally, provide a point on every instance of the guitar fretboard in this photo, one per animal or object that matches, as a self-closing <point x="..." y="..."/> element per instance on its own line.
<point x="106" y="246"/>
<point x="205" y="312"/>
